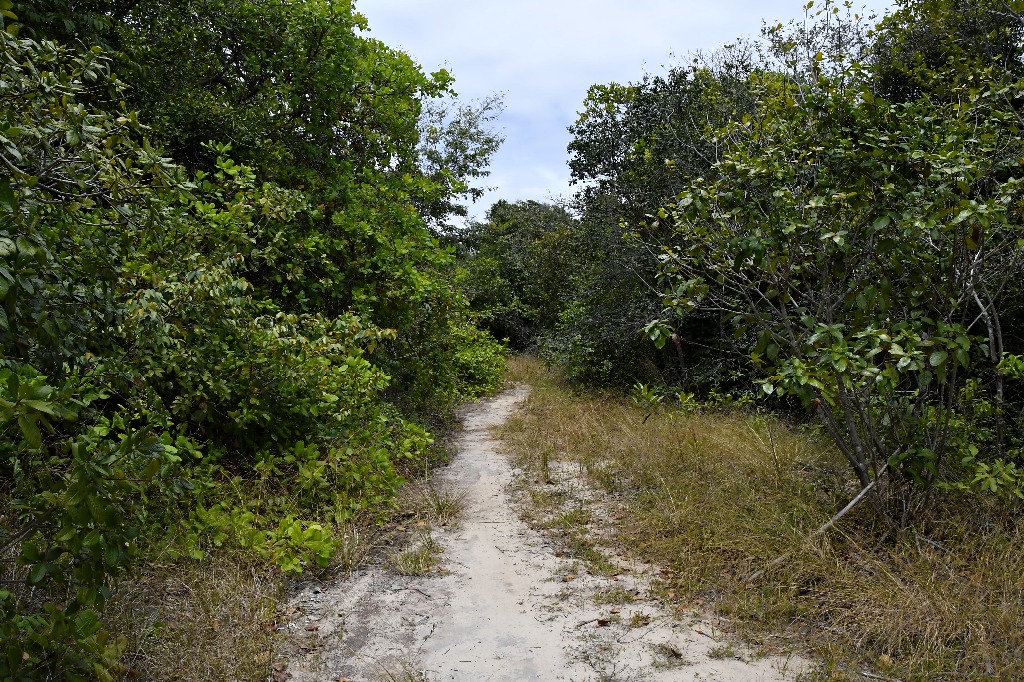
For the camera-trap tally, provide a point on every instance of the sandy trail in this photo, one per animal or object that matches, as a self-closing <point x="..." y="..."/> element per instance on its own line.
<point x="508" y="608"/>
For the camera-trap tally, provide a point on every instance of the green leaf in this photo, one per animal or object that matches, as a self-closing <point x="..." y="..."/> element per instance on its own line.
<point x="88" y="623"/>
<point x="938" y="358"/>
<point x="961" y="216"/>
<point x="30" y="431"/>
<point x="151" y="470"/>
<point x="7" y="197"/>
<point x="37" y="574"/>
<point x="67" y="534"/>
<point x="41" y="406"/>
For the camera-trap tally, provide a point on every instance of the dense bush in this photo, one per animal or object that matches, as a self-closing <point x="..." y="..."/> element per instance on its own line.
<point x="578" y="281"/>
<point x="233" y="340"/>
<point x="873" y="248"/>
<point x="828" y="217"/>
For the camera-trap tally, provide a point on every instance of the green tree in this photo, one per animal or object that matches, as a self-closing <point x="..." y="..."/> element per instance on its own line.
<point x="457" y="142"/>
<point x="634" y="147"/>
<point x="77" y="454"/>
<point x="179" y="311"/>
<point x="872" y="247"/>
<point x="521" y="269"/>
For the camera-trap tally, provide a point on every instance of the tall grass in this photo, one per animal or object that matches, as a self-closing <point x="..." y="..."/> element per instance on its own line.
<point x="714" y="497"/>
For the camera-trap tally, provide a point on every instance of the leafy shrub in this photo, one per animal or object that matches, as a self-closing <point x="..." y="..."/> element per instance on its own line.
<point x="868" y="244"/>
<point x="205" y="342"/>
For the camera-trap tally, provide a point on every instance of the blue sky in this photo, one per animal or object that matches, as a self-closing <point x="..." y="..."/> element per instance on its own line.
<point x="544" y="54"/>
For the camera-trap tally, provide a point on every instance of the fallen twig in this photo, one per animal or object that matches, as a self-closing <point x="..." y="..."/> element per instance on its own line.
<point x="654" y="625"/>
<point x="416" y="589"/>
<point x="824" y="529"/>
<point x="879" y="677"/>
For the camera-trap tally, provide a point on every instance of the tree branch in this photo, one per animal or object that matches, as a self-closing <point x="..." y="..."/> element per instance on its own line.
<point x="778" y="561"/>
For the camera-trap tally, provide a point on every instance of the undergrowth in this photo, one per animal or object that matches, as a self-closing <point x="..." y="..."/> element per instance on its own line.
<point x="205" y="606"/>
<point x="198" y="620"/>
<point x="715" y="496"/>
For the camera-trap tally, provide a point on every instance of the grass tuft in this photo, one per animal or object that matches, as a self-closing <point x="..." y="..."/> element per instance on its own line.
<point x="615" y="595"/>
<point x="433" y="503"/>
<point x="352" y="548"/>
<point x="444" y="506"/>
<point x="419" y="558"/>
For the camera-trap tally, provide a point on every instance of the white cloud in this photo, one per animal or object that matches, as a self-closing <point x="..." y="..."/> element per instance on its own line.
<point x="544" y="54"/>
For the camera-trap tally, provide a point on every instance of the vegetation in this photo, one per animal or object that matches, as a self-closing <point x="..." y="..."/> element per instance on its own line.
<point x="824" y="224"/>
<point x="716" y="495"/>
<point x="221" y="612"/>
<point x="230" y="318"/>
<point x="222" y="312"/>
<point x="828" y="216"/>
<point x="868" y="245"/>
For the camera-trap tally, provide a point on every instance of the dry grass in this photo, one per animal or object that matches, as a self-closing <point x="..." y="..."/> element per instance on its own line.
<point x="214" y="619"/>
<point x="714" y="497"/>
<point x="446" y="506"/>
<point x="429" y="503"/>
<point x="420" y="557"/>
<point x="208" y="620"/>
<point x="353" y="547"/>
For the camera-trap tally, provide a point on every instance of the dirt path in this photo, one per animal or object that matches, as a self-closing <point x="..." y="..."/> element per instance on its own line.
<point x="508" y="608"/>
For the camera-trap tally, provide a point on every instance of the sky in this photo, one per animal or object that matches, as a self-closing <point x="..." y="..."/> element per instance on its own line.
<point x="544" y="54"/>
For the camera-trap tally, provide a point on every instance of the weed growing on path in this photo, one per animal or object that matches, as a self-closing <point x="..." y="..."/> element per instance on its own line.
<point x="639" y="620"/>
<point x="420" y="558"/>
<point x="426" y="505"/>
<point x="352" y="548"/>
<point x="430" y="503"/>
<point x="723" y="651"/>
<point x="445" y="506"/>
<point x="668" y="657"/>
<point x="616" y="595"/>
